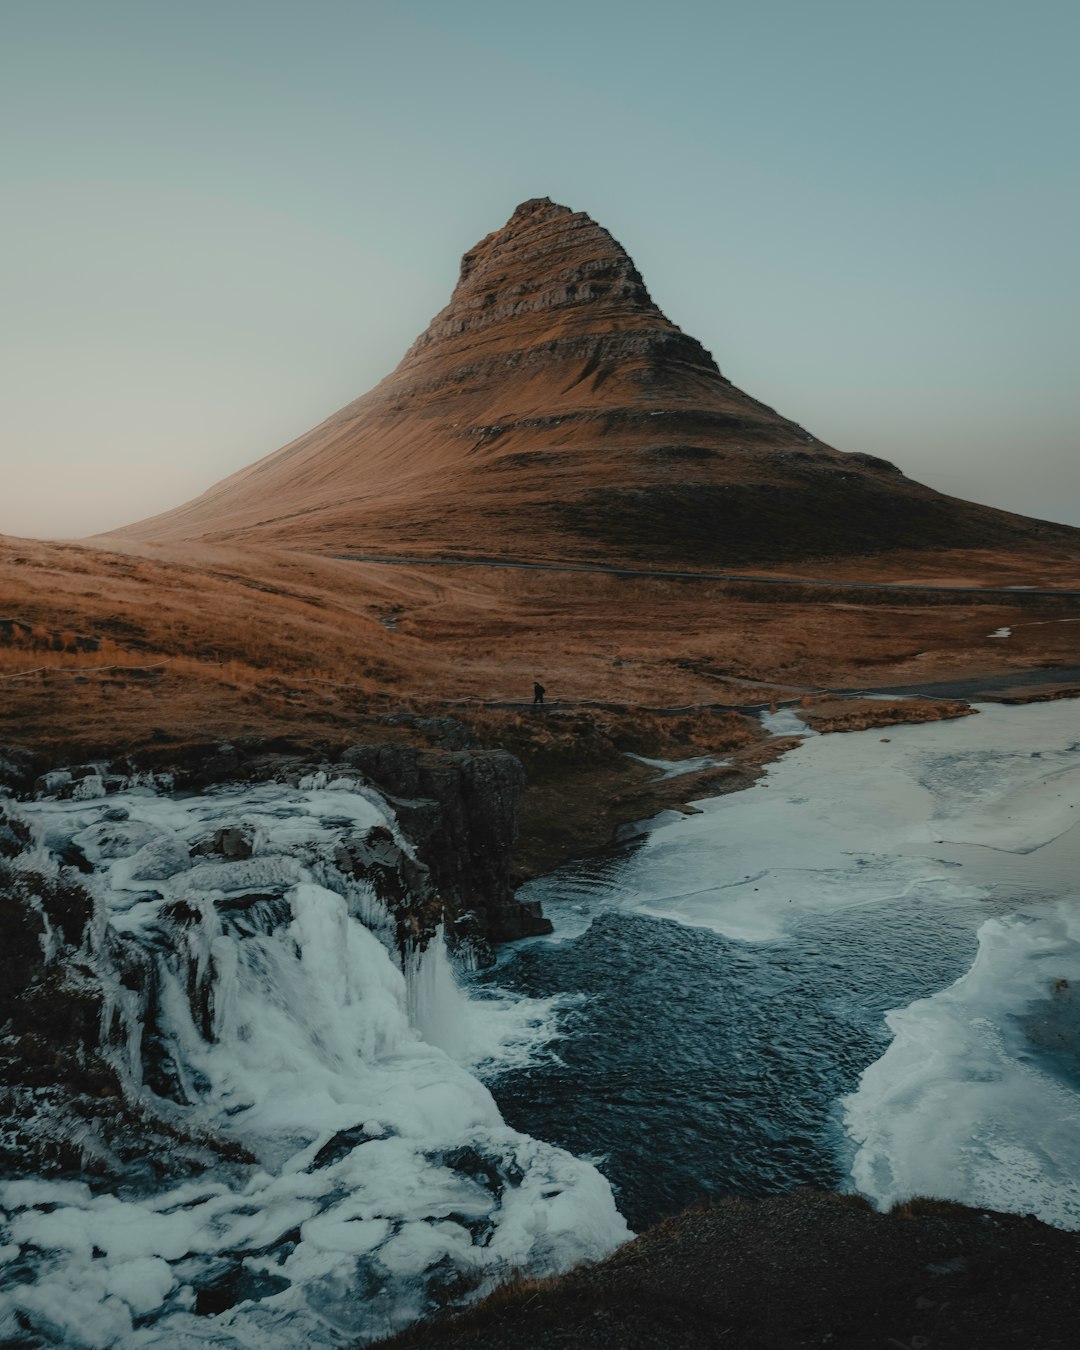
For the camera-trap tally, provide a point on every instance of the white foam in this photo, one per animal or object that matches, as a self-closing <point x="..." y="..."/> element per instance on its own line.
<point x="961" y="1106"/>
<point x="320" y="1042"/>
<point x="494" y="1032"/>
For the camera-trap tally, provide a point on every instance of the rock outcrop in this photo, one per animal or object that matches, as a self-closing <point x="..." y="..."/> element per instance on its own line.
<point x="459" y="809"/>
<point x="791" y="1272"/>
<point x="552" y="411"/>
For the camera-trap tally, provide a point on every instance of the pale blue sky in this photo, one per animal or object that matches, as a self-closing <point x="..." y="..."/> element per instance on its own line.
<point x="223" y="220"/>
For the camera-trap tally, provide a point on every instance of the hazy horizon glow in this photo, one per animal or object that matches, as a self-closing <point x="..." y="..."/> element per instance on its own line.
<point x="223" y="222"/>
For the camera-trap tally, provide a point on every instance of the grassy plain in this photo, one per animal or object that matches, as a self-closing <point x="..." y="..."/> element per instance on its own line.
<point x="106" y="653"/>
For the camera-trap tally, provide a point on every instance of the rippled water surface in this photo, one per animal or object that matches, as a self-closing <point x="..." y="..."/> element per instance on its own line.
<point x="696" y="1063"/>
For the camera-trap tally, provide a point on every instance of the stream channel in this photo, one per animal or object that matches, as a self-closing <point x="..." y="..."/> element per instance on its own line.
<point x="862" y="973"/>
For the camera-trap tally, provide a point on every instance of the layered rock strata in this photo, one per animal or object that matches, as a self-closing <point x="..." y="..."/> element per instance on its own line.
<point x="552" y="411"/>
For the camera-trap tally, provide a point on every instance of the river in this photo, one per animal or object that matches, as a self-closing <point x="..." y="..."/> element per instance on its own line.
<point x="862" y="973"/>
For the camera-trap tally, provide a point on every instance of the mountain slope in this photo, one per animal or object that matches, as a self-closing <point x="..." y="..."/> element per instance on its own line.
<point x="552" y="411"/>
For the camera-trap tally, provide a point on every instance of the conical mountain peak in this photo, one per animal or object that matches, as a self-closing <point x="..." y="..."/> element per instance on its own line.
<point x="552" y="411"/>
<point x="549" y="270"/>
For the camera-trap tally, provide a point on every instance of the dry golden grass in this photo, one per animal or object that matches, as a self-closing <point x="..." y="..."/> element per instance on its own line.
<point x="246" y="642"/>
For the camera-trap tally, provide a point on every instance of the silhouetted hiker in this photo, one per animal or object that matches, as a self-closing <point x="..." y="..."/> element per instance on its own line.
<point x="538" y="693"/>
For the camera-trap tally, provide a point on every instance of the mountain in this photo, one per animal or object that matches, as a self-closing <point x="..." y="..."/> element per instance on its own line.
<point x="552" y="411"/>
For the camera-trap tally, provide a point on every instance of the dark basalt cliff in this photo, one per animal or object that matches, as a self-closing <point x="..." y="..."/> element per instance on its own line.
<point x="460" y="809"/>
<point x="552" y="411"/>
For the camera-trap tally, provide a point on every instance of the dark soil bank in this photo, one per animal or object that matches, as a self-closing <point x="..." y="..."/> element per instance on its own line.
<point x="801" y="1270"/>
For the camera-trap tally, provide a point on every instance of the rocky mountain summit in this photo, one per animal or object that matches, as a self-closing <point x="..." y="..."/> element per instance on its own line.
<point x="552" y="411"/>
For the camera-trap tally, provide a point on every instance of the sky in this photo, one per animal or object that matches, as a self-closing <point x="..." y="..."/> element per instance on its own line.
<point x="224" y="219"/>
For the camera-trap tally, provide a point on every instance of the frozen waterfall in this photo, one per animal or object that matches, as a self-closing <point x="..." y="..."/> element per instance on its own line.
<point x="280" y="1018"/>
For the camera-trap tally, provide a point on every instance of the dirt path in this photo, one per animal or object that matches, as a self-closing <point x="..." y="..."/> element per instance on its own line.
<point x="662" y="575"/>
<point x="969" y="689"/>
<point x="980" y="688"/>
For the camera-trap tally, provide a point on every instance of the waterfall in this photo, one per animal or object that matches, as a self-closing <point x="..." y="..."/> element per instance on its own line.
<point x="364" y="1175"/>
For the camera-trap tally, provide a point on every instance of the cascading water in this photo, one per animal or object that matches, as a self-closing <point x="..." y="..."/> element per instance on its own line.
<point x="860" y="972"/>
<point x="359" y="1173"/>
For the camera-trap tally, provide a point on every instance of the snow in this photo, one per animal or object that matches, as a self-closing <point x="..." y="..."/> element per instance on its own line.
<point x="350" y="1079"/>
<point x="675" y="768"/>
<point x="786" y="722"/>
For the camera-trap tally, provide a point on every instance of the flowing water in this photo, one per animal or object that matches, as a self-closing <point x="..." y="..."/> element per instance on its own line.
<point x="762" y="991"/>
<point x="862" y="972"/>
<point x="276" y="1017"/>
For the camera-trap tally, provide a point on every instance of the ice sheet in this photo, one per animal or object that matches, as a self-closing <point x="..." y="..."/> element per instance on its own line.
<point x="853" y="820"/>
<point x="676" y="768"/>
<point x="966" y="1103"/>
<point x="786" y="722"/>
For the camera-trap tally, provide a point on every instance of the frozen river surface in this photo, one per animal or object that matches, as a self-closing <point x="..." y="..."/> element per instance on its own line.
<point x="863" y="972"/>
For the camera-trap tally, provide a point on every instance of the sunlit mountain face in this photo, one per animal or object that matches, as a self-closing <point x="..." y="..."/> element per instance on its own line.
<point x="551" y="410"/>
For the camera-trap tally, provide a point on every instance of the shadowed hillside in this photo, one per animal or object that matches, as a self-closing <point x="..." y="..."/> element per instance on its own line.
<point x="552" y="411"/>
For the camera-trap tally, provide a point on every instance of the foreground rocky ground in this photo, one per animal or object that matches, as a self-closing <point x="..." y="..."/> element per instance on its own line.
<point x="793" y="1272"/>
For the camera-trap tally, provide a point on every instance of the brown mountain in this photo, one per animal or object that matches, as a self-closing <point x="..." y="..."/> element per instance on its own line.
<point x="552" y="411"/>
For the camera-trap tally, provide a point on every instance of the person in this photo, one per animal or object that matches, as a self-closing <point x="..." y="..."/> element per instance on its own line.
<point x="538" y="693"/>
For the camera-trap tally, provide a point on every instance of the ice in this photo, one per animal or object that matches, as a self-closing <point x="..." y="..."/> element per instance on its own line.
<point x="160" y="858"/>
<point x="88" y="1316"/>
<point x="349" y="1078"/>
<point x="676" y="768"/>
<point x="114" y="839"/>
<point x="419" y="1245"/>
<point x="143" y="1284"/>
<point x="250" y="874"/>
<point x="854" y="820"/>
<point x="962" y="1105"/>
<point x="786" y="722"/>
<point x="976" y="1098"/>
<point x="340" y="1234"/>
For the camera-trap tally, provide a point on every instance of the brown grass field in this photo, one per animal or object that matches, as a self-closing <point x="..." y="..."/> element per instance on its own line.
<point x="202" y="643"/>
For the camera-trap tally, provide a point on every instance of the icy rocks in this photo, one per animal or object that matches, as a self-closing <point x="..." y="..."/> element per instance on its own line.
<point x="54" y="1072"/>
<point x="160" y="859"/>
<point x="232" y="842"/>
<point x="14" y="834"/>
<point x="113" y="839"/>
<point x="174" y="1022"/>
